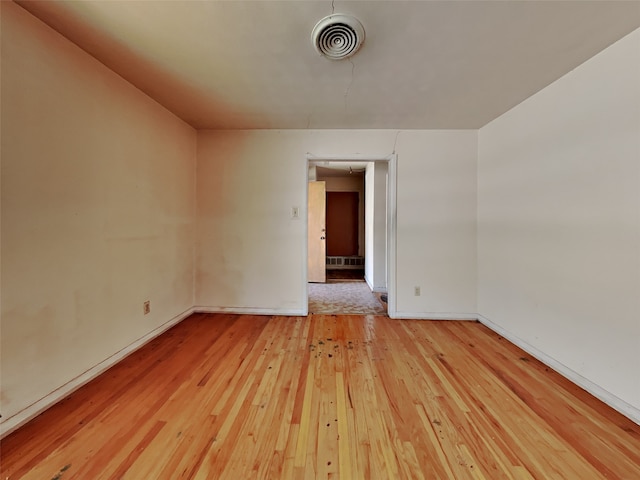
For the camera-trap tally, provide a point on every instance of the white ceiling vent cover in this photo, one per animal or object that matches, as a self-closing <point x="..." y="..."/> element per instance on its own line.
<point x="337" y="36"/>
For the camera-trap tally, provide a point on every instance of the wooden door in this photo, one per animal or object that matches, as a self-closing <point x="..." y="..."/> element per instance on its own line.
<point x="317" y="246"/>
<point x="342" y="224"/>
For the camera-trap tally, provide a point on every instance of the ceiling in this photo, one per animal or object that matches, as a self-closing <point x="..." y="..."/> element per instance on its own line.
<point x="339" y="169"/>
<point x="424" y="64"/>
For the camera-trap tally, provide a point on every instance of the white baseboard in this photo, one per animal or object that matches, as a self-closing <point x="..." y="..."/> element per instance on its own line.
<point x="597" y="391"/>
<point x="252" y="311"/>
<point x="369" y="282"/>
<point x="35" y="409"/>
<point x="435" y="316"/>
<point x="374" y="289"/>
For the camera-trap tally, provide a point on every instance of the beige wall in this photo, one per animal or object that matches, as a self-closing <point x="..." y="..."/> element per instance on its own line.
<point x="559" y="224"/>
<point x="98" y="207"/>
<point x="250" y="252"/>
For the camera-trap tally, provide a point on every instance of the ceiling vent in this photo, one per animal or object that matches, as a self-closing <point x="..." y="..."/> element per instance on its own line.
<point x="337" y="36"/>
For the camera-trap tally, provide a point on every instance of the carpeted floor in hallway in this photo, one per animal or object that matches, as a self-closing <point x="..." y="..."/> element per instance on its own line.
<point x="345" y="292"/>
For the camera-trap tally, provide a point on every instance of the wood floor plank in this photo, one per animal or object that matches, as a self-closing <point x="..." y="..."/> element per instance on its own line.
<point x="326" y="396"/>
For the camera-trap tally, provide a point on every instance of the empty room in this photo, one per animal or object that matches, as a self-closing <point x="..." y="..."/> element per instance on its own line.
<point x="176" y="179"/>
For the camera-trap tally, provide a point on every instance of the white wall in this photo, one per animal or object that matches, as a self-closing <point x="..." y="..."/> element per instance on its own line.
<point x="376" y="226"/>
<point x="369" y="190"/>
<point x="250" y="252"/>
<point x="437" y="223"/>
<point x="559" y="223"/>
<point x="380" y="227"/>
<point x="98" y="210"/>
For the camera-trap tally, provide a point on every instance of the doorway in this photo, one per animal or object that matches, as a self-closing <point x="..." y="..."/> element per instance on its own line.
<point x="351" y="240"/>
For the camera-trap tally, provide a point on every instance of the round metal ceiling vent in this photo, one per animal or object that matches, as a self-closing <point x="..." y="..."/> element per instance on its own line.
<point x="337" y="36"/>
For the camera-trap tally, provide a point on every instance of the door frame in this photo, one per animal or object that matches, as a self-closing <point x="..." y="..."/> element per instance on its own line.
<point x="391" y="161"/>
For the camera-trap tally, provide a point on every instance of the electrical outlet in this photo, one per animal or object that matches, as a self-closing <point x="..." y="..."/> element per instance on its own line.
<point x="146" y="307"/>
<point x="416" y="291"/>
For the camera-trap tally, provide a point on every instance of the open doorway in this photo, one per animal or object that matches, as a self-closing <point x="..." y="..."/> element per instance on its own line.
<point x="353" y="235"/>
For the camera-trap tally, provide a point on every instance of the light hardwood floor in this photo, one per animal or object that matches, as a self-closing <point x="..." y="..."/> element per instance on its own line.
<point x="239" y="397"/>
